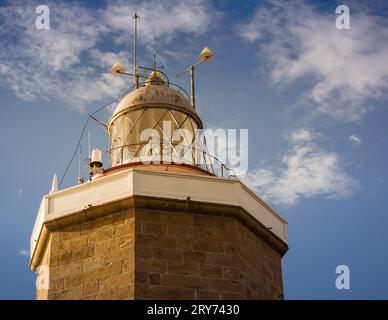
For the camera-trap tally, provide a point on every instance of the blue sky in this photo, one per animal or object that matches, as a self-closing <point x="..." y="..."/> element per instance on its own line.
<point x="313" y="98"/>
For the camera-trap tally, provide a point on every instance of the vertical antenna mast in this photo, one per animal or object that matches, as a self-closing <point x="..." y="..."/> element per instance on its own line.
<point x="192" y="85"/>
<point x="80" y="165"/>
<point x="154" y="61"/>
<point x="89" y="159"/>
<point x="135" y="17"/>
<point x="89" y="144"/>
<point x="205" y="55"/>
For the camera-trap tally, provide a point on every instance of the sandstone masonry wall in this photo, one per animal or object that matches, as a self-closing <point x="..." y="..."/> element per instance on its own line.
<point x="190" y="256"/>
<point x="150" y="254"/>
<point x="94" y="260"/>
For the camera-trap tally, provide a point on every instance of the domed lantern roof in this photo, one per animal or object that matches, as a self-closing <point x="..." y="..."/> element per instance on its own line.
<point x="155" y="93"/>
<point x="150" y="107"/>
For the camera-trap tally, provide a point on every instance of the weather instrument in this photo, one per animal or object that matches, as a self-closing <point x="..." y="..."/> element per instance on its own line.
<point x="205" y="55"/>
<point x="118" y="69"/>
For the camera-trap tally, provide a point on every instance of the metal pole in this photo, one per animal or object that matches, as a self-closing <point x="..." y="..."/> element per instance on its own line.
<point x="136" y="77"/>
<point x="192" y="86"/>
<point x="79" y="165"/>
<point x="89" y="158"/>
<point x="89" y="143"/>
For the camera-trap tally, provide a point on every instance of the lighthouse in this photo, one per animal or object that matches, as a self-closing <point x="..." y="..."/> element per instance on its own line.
<point x="157" y="221"/>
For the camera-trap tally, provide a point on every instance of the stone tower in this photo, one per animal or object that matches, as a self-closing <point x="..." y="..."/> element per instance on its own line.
<point x="166" y="229"/>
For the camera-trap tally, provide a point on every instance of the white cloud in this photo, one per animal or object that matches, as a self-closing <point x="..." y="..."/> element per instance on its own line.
<point x="48" y="64"/>
<point x="20" y="192"/>
<point x="302" y="135"/>
<point x="101" y="58"/>
<point x="308" y="171"/>
<point x="69" y="62"/>
<point x="354" y="139"/>
<point x="24" y="253"/>
<point x="346" y="68"/>
<point x="160" y="20"/>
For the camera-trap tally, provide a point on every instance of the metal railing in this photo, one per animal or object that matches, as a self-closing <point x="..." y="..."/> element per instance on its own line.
<point x="168" y="153"/>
